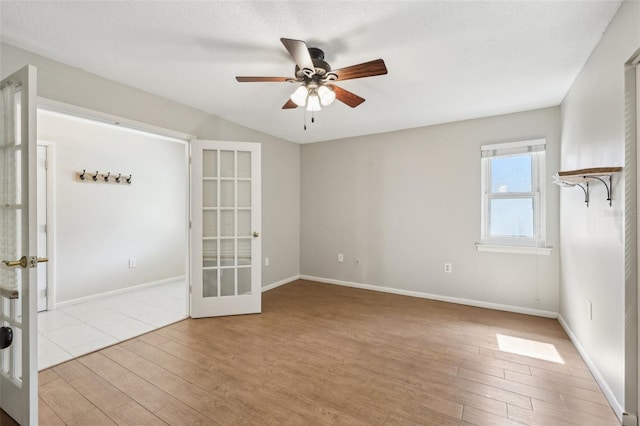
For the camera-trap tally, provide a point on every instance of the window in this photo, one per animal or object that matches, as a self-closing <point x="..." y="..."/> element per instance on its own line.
<point x="513" y="194"/>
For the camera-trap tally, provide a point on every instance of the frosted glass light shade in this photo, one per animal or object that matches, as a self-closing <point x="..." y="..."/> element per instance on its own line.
<point x="313" y="102"/>
<point x="327" y="96"/>
<point x="299" y="97"/>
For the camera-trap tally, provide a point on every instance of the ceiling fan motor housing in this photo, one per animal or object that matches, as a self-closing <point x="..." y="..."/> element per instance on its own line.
<point x="321" y="67"/>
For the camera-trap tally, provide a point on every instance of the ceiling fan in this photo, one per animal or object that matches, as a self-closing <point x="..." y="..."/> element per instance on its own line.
<point x="316" y="77"/>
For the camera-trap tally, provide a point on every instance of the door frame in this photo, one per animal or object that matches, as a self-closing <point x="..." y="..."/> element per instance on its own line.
<point x="22" y="401"/>
<point x="78" y="112"/>
<point x="631" y="401"/>
<point x="51" y="222"/>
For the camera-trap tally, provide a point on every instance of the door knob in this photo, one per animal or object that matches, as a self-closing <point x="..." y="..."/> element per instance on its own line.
<point x="13" y="263"/>
<point x="23" y="262"/>
<point x="6" y="337"/>
<point x="256" y="234"/>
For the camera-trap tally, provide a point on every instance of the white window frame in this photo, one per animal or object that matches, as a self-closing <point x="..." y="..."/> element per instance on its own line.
<point x="536" y="244"/>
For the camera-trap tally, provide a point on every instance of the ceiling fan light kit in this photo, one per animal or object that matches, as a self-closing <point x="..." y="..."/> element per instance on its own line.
<point x="316" y="77"/>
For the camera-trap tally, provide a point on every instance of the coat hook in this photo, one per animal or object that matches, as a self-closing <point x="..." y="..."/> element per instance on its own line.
<point x="95" y="177"/>
<point x="82" y="177"/>
<point x="129" y="179"/>
<point x="118" y="178"/>
<point x="106" y="177"/>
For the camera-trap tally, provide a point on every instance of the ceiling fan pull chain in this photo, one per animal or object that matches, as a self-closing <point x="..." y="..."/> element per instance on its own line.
<point x="305" y="119"/>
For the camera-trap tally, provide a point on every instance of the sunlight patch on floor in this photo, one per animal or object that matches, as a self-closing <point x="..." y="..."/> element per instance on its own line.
<point x="530" y="348"/>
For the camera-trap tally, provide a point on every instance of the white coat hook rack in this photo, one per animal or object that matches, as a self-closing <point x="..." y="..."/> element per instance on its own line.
<point x="108" y="177"/>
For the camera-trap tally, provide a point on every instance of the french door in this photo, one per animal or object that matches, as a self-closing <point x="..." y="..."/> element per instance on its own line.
<point x="225" y="228"/>
<point x="18" y="245"/>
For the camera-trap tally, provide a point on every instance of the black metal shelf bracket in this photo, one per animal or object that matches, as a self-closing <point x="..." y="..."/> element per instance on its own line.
<point x="609" y="188"/>
<point x="586" y="192"/>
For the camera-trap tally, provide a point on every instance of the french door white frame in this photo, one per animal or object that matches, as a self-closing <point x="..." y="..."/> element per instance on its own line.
<point x="19" y="394"/>
<point x="209" y="300"/>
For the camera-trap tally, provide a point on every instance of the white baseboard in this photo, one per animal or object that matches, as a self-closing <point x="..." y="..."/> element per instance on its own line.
<point x="606" y="390"/>
<point x="71" y="302"/>
<point x="279" y="283"/>
<point x="469" y="302"/>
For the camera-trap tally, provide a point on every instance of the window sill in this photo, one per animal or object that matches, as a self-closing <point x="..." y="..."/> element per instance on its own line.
<point x="494" y="248"/>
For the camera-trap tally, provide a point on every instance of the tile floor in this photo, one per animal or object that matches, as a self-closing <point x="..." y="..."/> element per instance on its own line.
<point x="76" y="330"/>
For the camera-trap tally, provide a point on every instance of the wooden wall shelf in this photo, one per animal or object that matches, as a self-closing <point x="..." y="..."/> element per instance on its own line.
<point x="582" y="177"/>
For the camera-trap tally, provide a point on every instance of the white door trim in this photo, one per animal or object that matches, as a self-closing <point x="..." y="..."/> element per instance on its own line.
<point x="51" y="222"/>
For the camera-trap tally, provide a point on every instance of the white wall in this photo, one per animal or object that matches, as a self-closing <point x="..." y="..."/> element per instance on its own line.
<point x="280" y="159"/>
<point x="100" y="226"/>
<point x="593" y="238"/>
<point x="407" y="201"/>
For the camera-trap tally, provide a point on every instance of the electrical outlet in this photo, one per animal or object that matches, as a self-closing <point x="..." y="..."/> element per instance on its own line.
<point x="448" y="267"/>
<point x="266" y="261"/>
<point x="340" y="257"/>
<point x="133" y="263"/>
<point x="357" y="261"/>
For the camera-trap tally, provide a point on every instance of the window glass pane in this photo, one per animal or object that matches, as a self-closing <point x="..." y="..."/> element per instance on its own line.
<point x="511" y="217"/>
<point x="511" y="174"/>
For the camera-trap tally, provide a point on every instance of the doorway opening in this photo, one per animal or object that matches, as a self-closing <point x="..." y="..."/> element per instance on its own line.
<point x="117" y="217"/>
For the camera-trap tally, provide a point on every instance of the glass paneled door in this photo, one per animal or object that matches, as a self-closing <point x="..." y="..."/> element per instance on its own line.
<point x="18" y="245"/>
<point x="225" y="229"/>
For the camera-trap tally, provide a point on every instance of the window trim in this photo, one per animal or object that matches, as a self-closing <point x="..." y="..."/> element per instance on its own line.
<point x="537" y="149"/>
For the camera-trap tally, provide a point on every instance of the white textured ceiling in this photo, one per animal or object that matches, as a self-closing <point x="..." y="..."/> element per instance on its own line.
<point x="447" y="60"/>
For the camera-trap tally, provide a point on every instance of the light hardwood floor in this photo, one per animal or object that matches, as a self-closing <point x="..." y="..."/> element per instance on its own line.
<point x="323" y="354"/>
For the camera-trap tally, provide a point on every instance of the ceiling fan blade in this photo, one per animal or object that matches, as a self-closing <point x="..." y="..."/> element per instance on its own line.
<point x="290" y="105"/>
<point x="367" y="69"/>
<point x="299" y="52"/>
<point x="261" y="79"/>
<point x="346" y="96"/>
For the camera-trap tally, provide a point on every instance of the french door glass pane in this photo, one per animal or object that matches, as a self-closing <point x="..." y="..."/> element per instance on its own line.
<point x="511" y="174"/>
<point x="227" y="164"/>
<point x="227" y="223"/>
<point x="244" y="223"/>
<point x="244" y="164"/>
<point x="210" y="223"/>
<point x="244" y="281"/>
<point x="511" y="217"/>
<point x="244" y="252"/>
<point x="244" y="193"/>
<point x="210" y="193"/>
<point x="209" y="253"/>
<point x="227" y="252"/>
<point x="209" y="163"/>
<point x="227" y="197"/>
<point x="210" y="283"/>
<point x="227" y="282"/>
